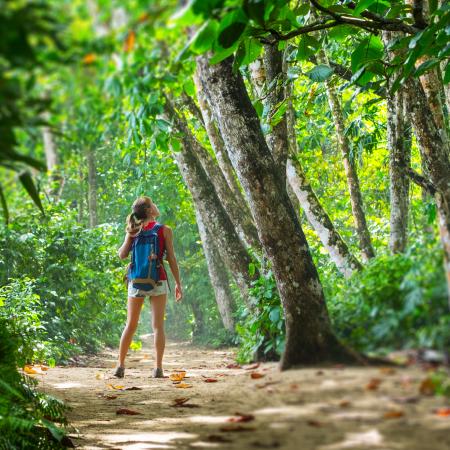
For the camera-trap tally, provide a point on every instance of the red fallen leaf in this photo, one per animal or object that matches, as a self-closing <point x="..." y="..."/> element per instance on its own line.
<point x="257" y="375"/>
<point x="314" y="423"/>
<point x="241" y="418"/>
<point x="393" y="414"/>
<point x="133" y="388"/>
<point x="442" y="412"/>
<point x="227" y="428"/>
<point x="251" y="366"/>
<point x="294" y="386"/>
<point x="373" y="384"/>
<point x="268" y="383"/>
<point x="233" y="366"/>
<point x="128" y="412"/>
<point x="210" y="380"/>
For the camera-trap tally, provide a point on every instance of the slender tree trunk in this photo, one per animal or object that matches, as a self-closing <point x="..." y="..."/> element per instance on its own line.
<point x="92" y="183"/>
<point x="215" y="218"/>
<point x="350" y="169"/>
<point x="309" y="338"/>
<point x="218" y="276"/>
<point x="435" y="158"/>
<point x="399" y="147"/>
<point x="80" y="200"/>
<point x="277" y="139"/>
<point x="217" y="143"/>
<point x="237" y="210"/>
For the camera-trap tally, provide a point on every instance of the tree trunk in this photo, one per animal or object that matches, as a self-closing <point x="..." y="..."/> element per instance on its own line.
<point x="217" y="143"/>
<point x="399" y="147"/>
<point x="435" y="158"/>
<point x="277" y="139"/>
<point x="309" y="338"/>
<point x="350" y="169"/>
<point x="218" y="276"/>
<point x="237" y="210"/>
<point x="52" y="160"/>
<point x="92" y="183"/>
<point x="215" y="218"/>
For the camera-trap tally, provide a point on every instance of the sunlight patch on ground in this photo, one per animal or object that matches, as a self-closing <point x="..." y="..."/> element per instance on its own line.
<point x="370" y="438"/>
<point x="292" y="411"/>
<point x="67" y="385"/>
<point x="138" y="441"/>
<point x="209" y="419"/>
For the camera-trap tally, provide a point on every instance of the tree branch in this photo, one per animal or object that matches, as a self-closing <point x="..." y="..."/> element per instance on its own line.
<point x="420" y="180"/>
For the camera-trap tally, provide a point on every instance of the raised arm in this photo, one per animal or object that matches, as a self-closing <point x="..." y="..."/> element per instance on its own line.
<point x="172" y="259"/>
<point x="124" y="250"/>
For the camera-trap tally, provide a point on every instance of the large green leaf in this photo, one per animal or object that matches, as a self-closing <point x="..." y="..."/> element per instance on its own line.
<point x="369" y="50"/>
<point x="320" y="73"/>
<point x="27" y="182"/>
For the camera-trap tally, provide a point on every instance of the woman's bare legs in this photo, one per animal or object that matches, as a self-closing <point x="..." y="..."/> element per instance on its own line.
<point x="134" y="311"/>
<point x="158" y="310"/>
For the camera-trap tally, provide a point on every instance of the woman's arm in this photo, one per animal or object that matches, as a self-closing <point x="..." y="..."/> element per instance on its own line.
<point x="172" y="259"/>
<point x="124" y="250"/>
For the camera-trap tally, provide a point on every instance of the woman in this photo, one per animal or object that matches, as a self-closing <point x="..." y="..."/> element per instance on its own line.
<point x="144" y="217"/>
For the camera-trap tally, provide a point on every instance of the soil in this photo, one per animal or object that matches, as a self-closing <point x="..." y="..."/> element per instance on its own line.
<point x="321" y="408"/>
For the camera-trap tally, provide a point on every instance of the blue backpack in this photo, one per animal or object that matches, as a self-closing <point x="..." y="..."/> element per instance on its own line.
<point x="145" y="263"/>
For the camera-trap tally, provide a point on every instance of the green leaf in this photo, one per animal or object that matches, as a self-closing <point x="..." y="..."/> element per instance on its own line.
<point x="255" y="10"/>
<point x="231" y="28"/>
<point x="362" y="6"/>
<point x="320" y="73"/>
<point x="248" y="51"/>
<point x="307" y="46"/>
<point x="27" y="182"/>
<point x="370" y="49"/>
<point x="341" y="32"/>
<point x="205" y="36"/>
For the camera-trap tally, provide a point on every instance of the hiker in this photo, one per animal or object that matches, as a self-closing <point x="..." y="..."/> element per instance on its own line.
<point x="147" y="240"/>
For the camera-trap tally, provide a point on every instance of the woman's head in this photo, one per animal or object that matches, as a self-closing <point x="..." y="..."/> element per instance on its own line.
<point x="143" y="209"/>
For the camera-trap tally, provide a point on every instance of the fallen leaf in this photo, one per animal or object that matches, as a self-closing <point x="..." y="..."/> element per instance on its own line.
<point x="256" y="375"/>
<point x="427" y="387"/>
<point x="180" y="401"/>
<point x="241" y="418"/>
<point x="393" y="414"/>
<point x="268" y="383"/>
<point x="442" y="412"/>
<point x="183" y="385"/>
<point x="29" y="370"/>
<point x="127" y="412"/>
<point x="251" y="366"/>
<point x="177" y="376"/>
<point x="133" y="388"/>
<point x="233" y="366"/>
<point x="117" y="387"/>
<point x="319" y="372"/>
<point x="373" y="384"/>
<point x="107" y="397"/>
<point x="99" y="376"/>
<point x="344" y="403"/>
<point x="387" y="371"/>
<point x="44" y="368"/>
<point x="411" y="399"/>
<point x="210" y="380"/>
<point x="294" y="386"/>
<point x="232" y="428"/>
<point x="314" y="423"/>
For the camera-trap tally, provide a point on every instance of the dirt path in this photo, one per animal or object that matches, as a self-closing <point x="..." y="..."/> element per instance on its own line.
<point x="322" y="408"/>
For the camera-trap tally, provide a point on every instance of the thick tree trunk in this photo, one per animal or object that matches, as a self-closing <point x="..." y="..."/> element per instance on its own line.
<point x="309" y="338"/>
<point x="237" y="210"/>
<point x="277" y="139"/>
<point x="92" y="184"/>
<point x="435" y="158"/>
<point x="215" y="218"/>
<point x="351" y="173"/>
<point x="218" y="276"/>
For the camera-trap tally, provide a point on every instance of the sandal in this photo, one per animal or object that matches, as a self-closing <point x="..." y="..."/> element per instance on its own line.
<point x="120" y="372"/>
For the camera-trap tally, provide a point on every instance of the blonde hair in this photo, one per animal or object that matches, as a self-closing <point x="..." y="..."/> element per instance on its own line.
<point x="140" y="213"/>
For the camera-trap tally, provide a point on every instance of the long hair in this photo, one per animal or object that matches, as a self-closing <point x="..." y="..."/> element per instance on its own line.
<point x="139" y="214"/>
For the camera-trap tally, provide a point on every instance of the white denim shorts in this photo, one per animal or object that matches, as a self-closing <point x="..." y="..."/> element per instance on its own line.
<point x="160" y="289"/>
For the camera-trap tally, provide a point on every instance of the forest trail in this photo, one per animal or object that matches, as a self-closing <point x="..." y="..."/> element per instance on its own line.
<point x="329" y="408"/>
